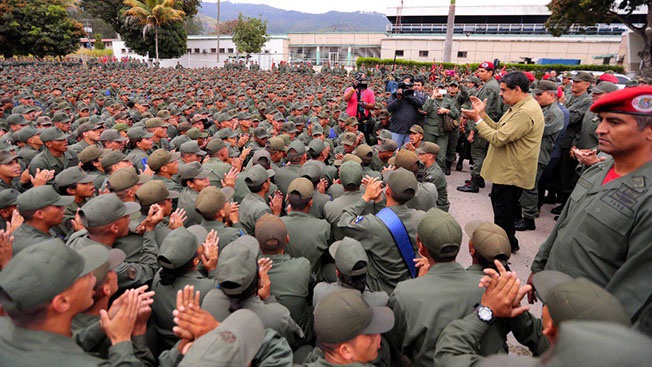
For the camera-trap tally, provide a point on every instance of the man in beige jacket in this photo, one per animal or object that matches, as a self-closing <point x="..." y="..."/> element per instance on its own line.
<point x="511" y="162"/>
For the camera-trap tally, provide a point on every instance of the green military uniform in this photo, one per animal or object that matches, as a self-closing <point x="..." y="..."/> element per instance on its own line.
<point x="186" y="202"/>
<point x="386" y="265"/>
<point x="333" y="210"/>
<point x="425" y="198"/>
<point x="433" y="127"/>
<point x="603" y="235"/>
<point x="218" y="170"/>
<point x="588" y="139"/>
<point x="309" y="238"/>
<point x="285" y="175"/>
<point x="292" y="284"/>
<point x="491" y="92"/>
<point x="171" y="184"/>
<point x="435" y="176"/>
<point x="26" y="154"/>
<point x="46" y="161"/>
<point x="425" y="305"/>
<point x="226" y="234"/>
<point x="253" y="206"/>
<point x="26" y="235"/>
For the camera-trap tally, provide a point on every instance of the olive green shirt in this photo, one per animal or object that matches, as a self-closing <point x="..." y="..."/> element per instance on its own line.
<point x="309" y="238"/>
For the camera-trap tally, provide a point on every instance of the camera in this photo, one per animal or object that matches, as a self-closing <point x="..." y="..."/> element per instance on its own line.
<point x="360" y="82"/>
<point x="406" y="88"/>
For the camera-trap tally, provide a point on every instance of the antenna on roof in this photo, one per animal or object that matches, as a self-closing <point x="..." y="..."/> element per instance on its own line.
<point x="397" y="25"/>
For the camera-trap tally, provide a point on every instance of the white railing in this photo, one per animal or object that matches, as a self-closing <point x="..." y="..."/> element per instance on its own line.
<point x="472" y="29"/>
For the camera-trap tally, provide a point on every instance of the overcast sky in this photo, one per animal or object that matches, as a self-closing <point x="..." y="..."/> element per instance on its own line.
<point x="317" y="6"/>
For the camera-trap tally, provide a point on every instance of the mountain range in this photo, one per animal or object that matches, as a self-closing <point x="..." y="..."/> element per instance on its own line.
<point x="281" y="21"/>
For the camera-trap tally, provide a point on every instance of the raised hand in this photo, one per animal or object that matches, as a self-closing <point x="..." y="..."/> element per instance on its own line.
<point x="265" y="285"/>
<point x="177" y="218"/>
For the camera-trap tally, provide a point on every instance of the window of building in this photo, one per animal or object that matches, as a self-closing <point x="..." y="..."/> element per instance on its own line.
<point x="221" y="50"/>
<point x="189" y="50"/>
<point x="213" y="50"/>
<point x="124" y="51"/>
<point x="230" y="50"/>
<point x="398" y="53"/>
<point x="461" y="54"/>
<point x="196" y="50"/>
<point x="423" y="53"/>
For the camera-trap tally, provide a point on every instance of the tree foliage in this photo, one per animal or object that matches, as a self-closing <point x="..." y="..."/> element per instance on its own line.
<point x="250" y="34"/>
<point x="172" y="37"/>
<point x="37" y="27"/>
<point x="151" y="15"/>
<point x="98" y="44"/>
<point x="587" y="13"/>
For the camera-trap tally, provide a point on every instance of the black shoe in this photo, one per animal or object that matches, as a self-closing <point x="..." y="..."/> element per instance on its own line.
<point x="515" y="248"/>
<point x="550" y="199"/>
<point x="467" y="182"/>
<point x="468" y="188"/>
<point x="525" y="224"/>
<point x="481" y="183"/>
<point x="557" y="210"/>
<point x="447" y="169"/>
<point x="556" y="218"/>
<point x="459" y="165"/>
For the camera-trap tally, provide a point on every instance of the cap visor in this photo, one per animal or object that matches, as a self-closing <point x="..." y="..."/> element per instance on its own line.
<point x="270" y="172"/>
<point x="94" y="256"/>
<point x="131" y="208"/>
<point x="228" y="192"/>
<point x="9" y="159"/>
<point x="471" y="226"/>
<point x="88" y="178"/>
<point x="201" y="152"/>
<point x="333" y="248"/>
<point x="547" y="280"/>
<point x="382" y="322"/>
<point x="116" y="257"/>
<point x="143" y="178"/>
<point x="173" y="194"/>
<point x="64" y="201"/>
<point x="203" y="174"/>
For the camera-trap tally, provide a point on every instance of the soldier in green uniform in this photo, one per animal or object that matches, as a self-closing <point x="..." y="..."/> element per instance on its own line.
<point x="90" y="135"/>
<point x="55" y="156"/>
<point x="433" y="173"/>
<point x="29" y="139"/>
<point x="76" y="183"/>
<point x="438" y="108"/>
<point x="291" y="276"/>
<point x="296" y="154"/>
<point x="446" y="292"/>
<point x="165" y="165"/>
<point x="253" y="205"/>
<point x="214" y="207"/>
<point x="218" y="161"/>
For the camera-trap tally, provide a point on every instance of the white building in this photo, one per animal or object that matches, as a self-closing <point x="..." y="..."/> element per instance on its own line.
<point x="202" y="52"/>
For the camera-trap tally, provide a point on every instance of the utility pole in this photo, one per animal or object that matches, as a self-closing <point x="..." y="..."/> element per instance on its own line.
<point x="450" y="28"/>
<point x="218" y="33"/>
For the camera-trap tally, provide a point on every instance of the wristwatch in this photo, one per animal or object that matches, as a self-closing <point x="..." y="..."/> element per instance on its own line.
<point x="485" y="314"/>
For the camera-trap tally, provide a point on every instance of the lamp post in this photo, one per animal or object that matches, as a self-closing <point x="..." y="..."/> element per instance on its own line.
<point x="450" y="28"/>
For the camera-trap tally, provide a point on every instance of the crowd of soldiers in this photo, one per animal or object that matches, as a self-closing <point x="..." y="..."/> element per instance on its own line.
<point x="241" y="217"/>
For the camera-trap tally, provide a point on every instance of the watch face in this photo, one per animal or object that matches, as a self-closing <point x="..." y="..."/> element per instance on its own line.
<point x="485" y="313"/>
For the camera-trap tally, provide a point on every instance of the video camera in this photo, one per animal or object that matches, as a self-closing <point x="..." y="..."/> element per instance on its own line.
<point x="360" y="82"/>
<point x="406" y="88"/>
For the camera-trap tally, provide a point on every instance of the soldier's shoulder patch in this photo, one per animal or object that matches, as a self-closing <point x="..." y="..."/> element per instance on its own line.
<point x="132" y="272"/>
<point x="241" y="232"/>
<point x="357" y="220"/>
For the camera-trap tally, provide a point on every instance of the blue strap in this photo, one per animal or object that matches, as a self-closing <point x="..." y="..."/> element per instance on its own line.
<point x="401" y="237"/>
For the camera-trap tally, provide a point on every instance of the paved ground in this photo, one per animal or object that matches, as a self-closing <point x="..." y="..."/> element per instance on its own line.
<point x="466" y="207"/>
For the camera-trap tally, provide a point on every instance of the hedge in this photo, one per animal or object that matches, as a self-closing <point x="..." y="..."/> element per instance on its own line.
<point x="94" y="52"/>
<point x="536" y="68"/>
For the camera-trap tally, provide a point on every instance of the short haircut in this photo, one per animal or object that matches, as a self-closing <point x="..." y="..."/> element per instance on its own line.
<point x="643" y="121"/>
<point x="516" y="79"/>
<point x="296" y="202"/>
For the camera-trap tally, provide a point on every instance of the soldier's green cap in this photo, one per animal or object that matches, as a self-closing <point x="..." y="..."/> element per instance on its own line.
<point x="428" y="147"/>
<point x="363" y="151"/>
<point x="180" y="246"/>
<point x="587" y="344"/>
<point x="238" y="265"/>
<point x="195" y="133"/>
<point x="138" y="133"/>
<point x="86" y="126"/>
<point x="440" y="233"/>
<point x="583" y="76"/>
<point x="161" y="157"/>
<point x="317" y="130"/>
<point x="114" y="257"/>
<point x="155" y="122"/>
<point x="416" y="129"/>
<point x="276" y="144"/>
<point x="40" y="197"/>
<point x="348" y="138"/>
<point x="105" y="209"/>
<point x="112" y="135"/>
<point x="316" y="145"/>
<point x="8" y="197"/>
<point x="125" y="178"/>
<point x="153" y="192"/>
<point x="406" y="159"/>
<point x="351" y="175"/>
<point x="215" y="145"/>
<point x="197" y="118"/>
<point x="386" y="145"/>
<point x="234" y="342"/>
<point x="288" y="127"/>
<point x="256" y="175"/>
<point x="544" y="86"/>
<point x="53" y="134"/>
<point x="322" y="115"/>
<point x="577" y="299"/>
<point x="301" y="186"/>
<point x="211" y="200"/>
<point x="72" y="175"/>
<point x="488" y="239"/>
<point x="278" y="117"/>
<point x="16" y="119"/>
<point x="60" y="117"/>
<point x="121" y="127"/>
<point x="261" y="133"/>
<point x="40" y="272"/>
<point x="193" y="170"/>
<point x="163" y="114"/>
<point x="90" y="153"/>
<point x="403" y="184"/>
<point x="342" y="315"/>
<point x="191" y="147"/>
<point x="226" y="133"/>
<point x="351" y="121"/>
<point x="298" y="147"/>
<point x="347" y="254"/>
<point x="605" y="87"/>
<point x="25" y="133"/>
<point x="111" y="158"/>
<point x="178" y="140"/>
<point x="6" y="156"/>
<point x="271" y="233"/>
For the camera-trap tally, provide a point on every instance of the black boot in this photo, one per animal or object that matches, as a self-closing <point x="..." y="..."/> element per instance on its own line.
<point x="525" y="224"/>
<point x="481" y="182"/>
<point x="447" y="170"/>
<point x="557" y="210"/>
<point x="470" y="187"/>
<point x="459" y="165"/>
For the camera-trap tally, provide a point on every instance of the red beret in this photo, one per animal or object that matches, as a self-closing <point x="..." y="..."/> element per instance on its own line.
<point x="487" y="65"/>
<point x="632" y="101"/>
<point x="529" y="76"/>
<point x="609" y="78"/>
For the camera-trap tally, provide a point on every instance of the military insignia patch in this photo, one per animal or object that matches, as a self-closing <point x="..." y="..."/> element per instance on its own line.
<point x="643" y="103"/>
<point x="357" y="220"/>
<point x="131" y="272"/>
<point x="638" y="182"/>
<point x="228" y="337"/>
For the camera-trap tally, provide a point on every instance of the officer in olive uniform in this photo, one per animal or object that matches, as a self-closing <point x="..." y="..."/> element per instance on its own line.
<point x="253" y="205"/>
<point x="195" y="179"/>
<point x="296" y="157"/>
<point x="55" y="156"/>
<point x="165" y="165"/>
<point x="211" y="204"/>
<point x="428" y="153"/>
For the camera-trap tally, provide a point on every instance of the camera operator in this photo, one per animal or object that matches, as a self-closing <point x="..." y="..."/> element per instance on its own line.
<point x="404" y="106"/>
<point x="360" y="100"/>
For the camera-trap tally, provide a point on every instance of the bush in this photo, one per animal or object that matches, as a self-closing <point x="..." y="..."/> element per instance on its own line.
<point x="94" y="53"/>
<point x="537" y="69"/>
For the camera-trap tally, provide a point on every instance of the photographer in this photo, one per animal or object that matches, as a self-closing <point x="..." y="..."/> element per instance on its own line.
<point x="404" y="106"/>
<point x="359" y="101"/>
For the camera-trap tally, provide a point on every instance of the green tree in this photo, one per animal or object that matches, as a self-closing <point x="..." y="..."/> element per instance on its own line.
<point x="152" y="14"/>
<point x="250" y="34"/>
<point x="98" y="44"/>
<point x="587" y="13"/>
<point x="38" y="27"/>
<point x="193" y="26"/>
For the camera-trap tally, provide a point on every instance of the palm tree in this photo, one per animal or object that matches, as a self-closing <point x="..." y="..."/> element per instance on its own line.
<point x="450" y="28"/>
<point x="152" y="14"/>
